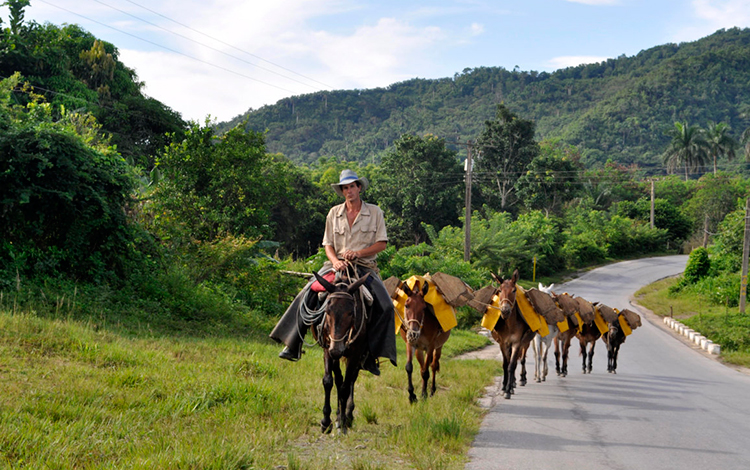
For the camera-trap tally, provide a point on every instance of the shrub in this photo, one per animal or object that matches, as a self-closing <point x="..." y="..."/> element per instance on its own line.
<point x="698" y="265"/>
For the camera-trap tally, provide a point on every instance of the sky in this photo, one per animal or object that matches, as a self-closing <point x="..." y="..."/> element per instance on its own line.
<point x="215" y="59"/>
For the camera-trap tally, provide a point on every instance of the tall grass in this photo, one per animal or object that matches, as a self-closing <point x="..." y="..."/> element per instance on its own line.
<point x="82" y="391"/>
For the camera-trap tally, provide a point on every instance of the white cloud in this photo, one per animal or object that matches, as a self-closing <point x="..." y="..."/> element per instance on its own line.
<point x="711" y="15"/>
<point x="367" y="56"/>
<point x="573" y="60"/>
<point x="477" y="29"/>
<point x="377" y="55"/>
<point x="723" y="13"/>
<point x="595" y="2"/>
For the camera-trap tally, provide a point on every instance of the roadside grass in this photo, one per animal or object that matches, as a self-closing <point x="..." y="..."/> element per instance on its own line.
<point x="723" y="325"/>
<point x="80" y="394"/>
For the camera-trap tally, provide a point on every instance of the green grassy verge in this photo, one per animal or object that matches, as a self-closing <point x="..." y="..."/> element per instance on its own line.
<point x="77" y="394"/>
<point x="723" y="325"/>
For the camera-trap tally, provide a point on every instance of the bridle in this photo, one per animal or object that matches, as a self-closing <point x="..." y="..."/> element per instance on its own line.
<point x="505" y="301"/>
<point x="355" y="330"/>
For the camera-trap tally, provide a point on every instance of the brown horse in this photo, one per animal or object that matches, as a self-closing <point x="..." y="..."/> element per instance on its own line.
<point x="422" y="333"/>
<point x="342" y="333"/>
<point x="511" y="331"/>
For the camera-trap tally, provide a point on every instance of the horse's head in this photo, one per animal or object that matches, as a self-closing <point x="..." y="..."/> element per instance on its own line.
<point x="506" y="293"/>
<point x="344" y="320"/>
<point x="414" y="310"/>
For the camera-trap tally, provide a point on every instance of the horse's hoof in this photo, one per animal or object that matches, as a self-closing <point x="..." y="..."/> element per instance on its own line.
<point x="412" y="399"/>
<point x="538" y="381"/>
<point x="325" y="428"/>
<point x="507" y="396"/>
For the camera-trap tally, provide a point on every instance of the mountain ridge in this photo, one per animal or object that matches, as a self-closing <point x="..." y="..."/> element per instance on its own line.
<point x="618" y="109"/>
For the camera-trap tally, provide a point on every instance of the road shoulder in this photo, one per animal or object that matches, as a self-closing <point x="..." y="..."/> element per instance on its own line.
<point x="658" y="322"/>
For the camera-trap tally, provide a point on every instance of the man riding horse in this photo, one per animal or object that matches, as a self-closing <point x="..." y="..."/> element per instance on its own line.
<point x="355" y="233"/>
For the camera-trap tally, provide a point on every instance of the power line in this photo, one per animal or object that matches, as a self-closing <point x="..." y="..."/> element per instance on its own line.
<point x="204" y="45"/>
<point x="229" y="45"/>
<point x="166" y="48"/>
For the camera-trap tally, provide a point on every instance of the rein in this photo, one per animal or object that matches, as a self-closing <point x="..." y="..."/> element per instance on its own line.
<point x="358" y="329"/>
<point x="355" y="330"/>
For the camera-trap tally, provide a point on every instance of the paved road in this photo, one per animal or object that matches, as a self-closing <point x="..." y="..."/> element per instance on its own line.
<point x="668" y="407"/>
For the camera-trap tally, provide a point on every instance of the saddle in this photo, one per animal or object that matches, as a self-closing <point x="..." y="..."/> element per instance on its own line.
<point x="332" y="277"/>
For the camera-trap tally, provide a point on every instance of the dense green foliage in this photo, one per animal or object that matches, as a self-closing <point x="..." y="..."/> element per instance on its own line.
<point x="698" y="265"/>
<point x="506" y="147"/>
<point x="431" y="176"/>
<point x="62" y="196"/>
<point x="72" y="69"/>
<point x="617" y="109"/>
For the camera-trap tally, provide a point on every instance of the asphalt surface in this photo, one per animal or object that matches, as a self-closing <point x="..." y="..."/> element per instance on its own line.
<point x="670" y="405"/>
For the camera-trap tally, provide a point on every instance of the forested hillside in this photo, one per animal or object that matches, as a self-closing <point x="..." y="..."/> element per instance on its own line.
<point x="75" y="71"/>
<point x="618" y="109"/>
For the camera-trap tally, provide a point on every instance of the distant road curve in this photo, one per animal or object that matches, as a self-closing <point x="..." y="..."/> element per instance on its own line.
<point x="668" y="406"/>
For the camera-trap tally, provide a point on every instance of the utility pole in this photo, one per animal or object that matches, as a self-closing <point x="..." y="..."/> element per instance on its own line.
<point x="467" y="215"/>
<point x="705" y="231"/>
<point x="652" y="203"/>
<point x="745" y="249"/>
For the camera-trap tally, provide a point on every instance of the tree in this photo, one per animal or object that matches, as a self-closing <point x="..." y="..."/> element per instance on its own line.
<point x="714" y="197"/>
<point x="216" y="185"/>
<point x="746" y="140"/>
<point x="420" y="181"/>
<point x="551" y="179"/>
<point x="506" y="146"/>
<point x="688" y="148"/>
<point x="63" y="195"/>
<point x="720" y="143"/>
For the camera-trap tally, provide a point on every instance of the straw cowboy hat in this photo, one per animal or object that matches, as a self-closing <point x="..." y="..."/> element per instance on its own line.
<point x="348" y="177"/>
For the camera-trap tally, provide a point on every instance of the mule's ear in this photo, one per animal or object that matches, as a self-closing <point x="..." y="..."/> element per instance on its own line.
<point x="353" y="287"/>
<point x="326" y="285"/>
<point x="425" y="288"/>
<point x="541" y="287"/>
<point x="499" y="280"/>
<point x="407" y="290"/>
<point x="551" y="286"/>
<point x="515" y="276"/>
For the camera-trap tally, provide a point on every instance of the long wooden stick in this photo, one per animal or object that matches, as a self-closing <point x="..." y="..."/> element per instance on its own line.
<point x="297" y="273"/>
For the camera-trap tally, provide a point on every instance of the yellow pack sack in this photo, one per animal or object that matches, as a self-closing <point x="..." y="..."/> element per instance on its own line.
<point x="624" y="325"/>
<point x="599" y="321"/>
<point x="446" y="315"/>
<point x="533" y="319"/>
<point x="492" y="314"/>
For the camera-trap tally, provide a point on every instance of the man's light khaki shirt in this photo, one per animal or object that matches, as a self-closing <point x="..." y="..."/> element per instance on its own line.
<point x="368" y="228"/>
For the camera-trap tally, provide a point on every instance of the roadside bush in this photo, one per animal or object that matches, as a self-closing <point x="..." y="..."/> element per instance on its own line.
<point x="727" y="247"/>
<point x="698" y="265"/>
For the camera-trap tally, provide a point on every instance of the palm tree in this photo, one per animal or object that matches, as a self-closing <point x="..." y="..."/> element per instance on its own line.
<point x="687" y="148"/>
<point x="720" y="142"/>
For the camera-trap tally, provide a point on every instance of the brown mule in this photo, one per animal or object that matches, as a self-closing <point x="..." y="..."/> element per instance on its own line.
<point x="342" y="334"/>
<point x="422" y="333"/>
<point x="511" y="331"/>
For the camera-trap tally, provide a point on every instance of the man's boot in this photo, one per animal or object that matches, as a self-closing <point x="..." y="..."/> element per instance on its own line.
<point x="290" y="354"/>
<point x="370" y="364"/>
